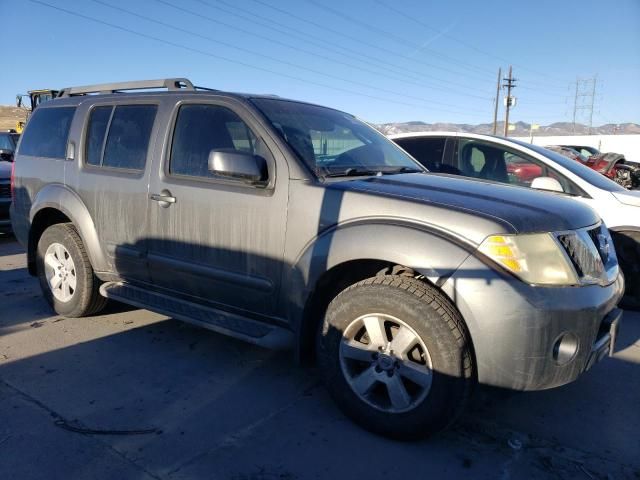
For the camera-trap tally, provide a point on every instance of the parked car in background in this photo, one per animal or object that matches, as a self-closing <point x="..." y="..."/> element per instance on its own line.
<point x="8" y="142"/>
<point x="612" y="165"/>
<point x="506" y="160"/>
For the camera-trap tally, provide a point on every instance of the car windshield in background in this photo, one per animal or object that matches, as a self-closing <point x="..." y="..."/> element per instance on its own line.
<point x="333" y="143"/>
<point x="8" y="142"/>
<point x="594" y="178"/>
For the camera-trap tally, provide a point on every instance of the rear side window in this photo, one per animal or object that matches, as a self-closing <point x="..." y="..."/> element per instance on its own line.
<point x="203" y="128"/>
<point x="47" y="132"/>
<point x="96" y="133"/>
<point x="127" y="130"/>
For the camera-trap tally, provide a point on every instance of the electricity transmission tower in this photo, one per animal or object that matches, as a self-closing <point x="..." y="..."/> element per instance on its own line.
<point x="584" y="101"/>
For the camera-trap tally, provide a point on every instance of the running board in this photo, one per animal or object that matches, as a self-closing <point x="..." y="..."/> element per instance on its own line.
<point x="263" y="334"/>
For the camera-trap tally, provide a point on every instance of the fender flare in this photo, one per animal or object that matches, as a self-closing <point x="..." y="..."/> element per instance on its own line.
<point x="433" y="253"/>
<point x="60" y="197"/>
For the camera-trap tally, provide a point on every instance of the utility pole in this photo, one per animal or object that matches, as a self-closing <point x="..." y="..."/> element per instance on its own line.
<point x="510" y="83"/>
<point x="584" y="100"/>
<point x="495" y="110"/>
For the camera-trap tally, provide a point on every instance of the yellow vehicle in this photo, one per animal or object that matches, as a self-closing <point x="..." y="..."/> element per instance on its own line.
<point x="35" y="98"/>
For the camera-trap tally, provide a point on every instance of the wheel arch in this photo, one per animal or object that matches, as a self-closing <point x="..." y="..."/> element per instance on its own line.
<point x="350" y="253"/>
<point x="55" y="204"/>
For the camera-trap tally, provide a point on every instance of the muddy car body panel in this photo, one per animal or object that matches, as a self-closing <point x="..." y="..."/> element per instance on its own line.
<point x="260" y="256"/>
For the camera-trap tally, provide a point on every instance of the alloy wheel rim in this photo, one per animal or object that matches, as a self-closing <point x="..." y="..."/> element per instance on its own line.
<point x="386" y="363"/>
<point x="60" y="271"/>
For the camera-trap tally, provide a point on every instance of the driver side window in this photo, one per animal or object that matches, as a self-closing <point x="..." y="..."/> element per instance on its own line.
<point x="200" y="129"/>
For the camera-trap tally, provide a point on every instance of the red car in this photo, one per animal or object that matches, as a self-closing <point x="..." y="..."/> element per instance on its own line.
<point x="611" y="165"/>
<point x="522" y="170"/>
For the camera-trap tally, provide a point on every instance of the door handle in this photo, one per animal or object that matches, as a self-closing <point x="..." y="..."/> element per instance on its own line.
<point x="164" y="198"/>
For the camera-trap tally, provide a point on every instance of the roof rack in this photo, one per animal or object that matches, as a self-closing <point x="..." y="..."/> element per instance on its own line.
<point x="168" y="83"/>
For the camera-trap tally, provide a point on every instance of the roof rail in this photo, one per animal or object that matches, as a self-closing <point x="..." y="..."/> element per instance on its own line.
<point x="168" y="83"/>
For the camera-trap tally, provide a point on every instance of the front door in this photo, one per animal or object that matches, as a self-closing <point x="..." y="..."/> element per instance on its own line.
<point x="217" y="239"/>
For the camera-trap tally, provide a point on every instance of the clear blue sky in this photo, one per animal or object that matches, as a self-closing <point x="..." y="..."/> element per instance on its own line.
<point x="383" y="60"/>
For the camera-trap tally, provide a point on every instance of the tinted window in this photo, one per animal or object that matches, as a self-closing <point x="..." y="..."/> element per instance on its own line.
<point x="7" y="142"/>
<point x="96" y="131"/>
<point x="481" y="160"/>
<point x="427" y="150"/>
<point x="47" y="132"/>
<point x="202" y="128"/>
<point x="128" y="138"/>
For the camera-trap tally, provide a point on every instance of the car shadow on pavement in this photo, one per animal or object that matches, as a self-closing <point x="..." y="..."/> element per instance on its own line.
<point x="204" y="402"/>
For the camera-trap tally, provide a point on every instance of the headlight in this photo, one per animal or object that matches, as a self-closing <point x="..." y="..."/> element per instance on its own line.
<point x="535" y="258"/>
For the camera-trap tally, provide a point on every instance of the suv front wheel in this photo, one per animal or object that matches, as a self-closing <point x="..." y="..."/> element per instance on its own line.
<point x="396" y="356"/>
<point x="65" y="273"/>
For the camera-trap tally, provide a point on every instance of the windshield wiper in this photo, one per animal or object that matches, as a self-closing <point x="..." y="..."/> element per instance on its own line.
<point x="401" y="170"/>
<point x="356" y="172"/>
<point x="352" y="172"/>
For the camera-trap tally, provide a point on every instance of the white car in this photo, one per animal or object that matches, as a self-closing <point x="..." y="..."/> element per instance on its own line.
<point x="504" y="160"/>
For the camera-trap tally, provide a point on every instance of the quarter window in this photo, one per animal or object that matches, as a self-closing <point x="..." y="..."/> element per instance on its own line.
<point x="202" y="128"/>
<point x="47" y="132"/>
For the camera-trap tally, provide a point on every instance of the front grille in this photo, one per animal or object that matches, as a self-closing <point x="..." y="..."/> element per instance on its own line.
<point x="584" y="254"/>
<point x="601" y="242"/>
<point x="5" y="190"/>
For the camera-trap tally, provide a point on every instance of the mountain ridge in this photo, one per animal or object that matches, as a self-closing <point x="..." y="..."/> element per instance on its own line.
<point x="522" y="128"/>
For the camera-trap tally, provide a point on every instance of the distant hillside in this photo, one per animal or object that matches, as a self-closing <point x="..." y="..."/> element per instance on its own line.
<point x="9" y="116"/>
<point x="522" y="128"/>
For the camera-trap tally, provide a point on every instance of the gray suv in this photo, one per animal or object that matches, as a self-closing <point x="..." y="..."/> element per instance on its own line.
<point x="289" y="224"/>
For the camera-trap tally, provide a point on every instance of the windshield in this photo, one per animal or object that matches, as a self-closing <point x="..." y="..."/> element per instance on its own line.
<point x="594" y="178"/>
<point x="8" y="141"/>
<point x="333" y="143"/>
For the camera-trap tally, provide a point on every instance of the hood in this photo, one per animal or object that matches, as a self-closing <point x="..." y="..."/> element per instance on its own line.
<point x="5" y="169"/>
<point x="524" y="210"/>
<point x="628" y="197"/>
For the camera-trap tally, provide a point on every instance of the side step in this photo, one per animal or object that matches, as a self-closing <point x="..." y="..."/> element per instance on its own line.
<point x="265" y="335"/>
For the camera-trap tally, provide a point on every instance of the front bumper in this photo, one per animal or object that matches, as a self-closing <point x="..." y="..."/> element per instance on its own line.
<point x="518" y="330"/>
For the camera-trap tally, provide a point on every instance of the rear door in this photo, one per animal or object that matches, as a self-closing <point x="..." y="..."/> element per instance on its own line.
<point x="113" y="179"/>
<point x="220" y="240"/>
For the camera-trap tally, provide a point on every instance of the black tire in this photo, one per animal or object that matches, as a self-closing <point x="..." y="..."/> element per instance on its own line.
<point x="86" y="299"/>
<point x="627" y="245"/>
<point x="437" y="324"/>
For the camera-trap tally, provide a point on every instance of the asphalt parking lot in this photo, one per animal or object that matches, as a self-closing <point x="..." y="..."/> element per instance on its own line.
<point x="132" y="394"/>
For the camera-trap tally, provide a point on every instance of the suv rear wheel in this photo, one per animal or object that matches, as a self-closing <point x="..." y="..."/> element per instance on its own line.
<point x="396" y="357"/>
<point x="65" y="273"/>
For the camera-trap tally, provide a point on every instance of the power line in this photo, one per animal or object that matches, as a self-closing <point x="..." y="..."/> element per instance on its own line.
<point x="377" y="48"/>
<point x="382" y="73"/>
<point x="223" y="58"/>
<point x="461" y="42"/>
<point x="395" y="37"/>
<point x="314" y="71"/>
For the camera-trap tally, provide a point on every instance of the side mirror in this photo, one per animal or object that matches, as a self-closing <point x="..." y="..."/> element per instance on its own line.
<point x="6" y="155"/>
<point x="239" y="165"/>
<point x="547" y="183"/>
